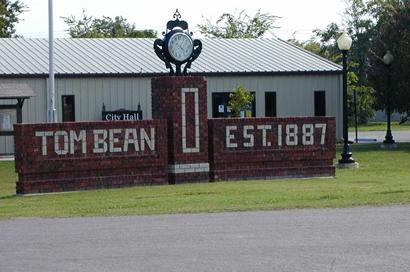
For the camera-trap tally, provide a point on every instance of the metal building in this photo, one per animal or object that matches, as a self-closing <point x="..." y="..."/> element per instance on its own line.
<point x="286" y="80"/>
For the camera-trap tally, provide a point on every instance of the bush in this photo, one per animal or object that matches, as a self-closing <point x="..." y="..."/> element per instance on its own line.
<point x="239" y="100"/>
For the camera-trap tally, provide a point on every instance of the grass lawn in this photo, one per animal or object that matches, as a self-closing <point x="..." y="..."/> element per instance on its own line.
<point x="383" y="178"/>
<point x="381" y="126"/>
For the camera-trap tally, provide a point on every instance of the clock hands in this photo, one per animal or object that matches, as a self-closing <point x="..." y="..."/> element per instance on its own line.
<point x="177" y="47"/>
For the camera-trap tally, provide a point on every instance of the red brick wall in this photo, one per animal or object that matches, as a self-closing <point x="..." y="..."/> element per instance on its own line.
<point x="287" y="156"/>
<point x="188" y="147"/>
<point x="68" y="164"/>
<point x="187" y="162"/>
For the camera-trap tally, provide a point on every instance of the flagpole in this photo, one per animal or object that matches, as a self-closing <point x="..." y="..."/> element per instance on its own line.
<point x="52" y="113"/>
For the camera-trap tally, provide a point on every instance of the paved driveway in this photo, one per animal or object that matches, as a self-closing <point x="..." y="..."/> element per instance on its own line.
<point x="356" y="239"/>
<point x="378" y="136"/>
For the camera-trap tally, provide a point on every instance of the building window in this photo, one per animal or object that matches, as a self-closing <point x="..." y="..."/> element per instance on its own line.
<point x="270" y="104"/>
<point x="68" y="108"/>
<point x="320" y="103"/>
<point x="220" y="107"/>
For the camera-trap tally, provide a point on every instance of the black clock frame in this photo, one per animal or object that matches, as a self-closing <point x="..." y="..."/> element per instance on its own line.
<point x="161" y="46"/>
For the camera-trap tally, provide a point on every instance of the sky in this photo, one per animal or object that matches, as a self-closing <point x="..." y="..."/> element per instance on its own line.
<point x="298" y="18"/>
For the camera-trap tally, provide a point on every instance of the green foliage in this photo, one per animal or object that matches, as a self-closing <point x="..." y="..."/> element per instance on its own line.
<point x="240" y="99"/>
<point x="363" y="21"/>
<point x="104" y="27"/>
<point x="230" y="26"/>
<point x="364" y="101"/>
<point x="9" y="13"/>
<point x="393" y="35"/>
<point x="375" y="27"/>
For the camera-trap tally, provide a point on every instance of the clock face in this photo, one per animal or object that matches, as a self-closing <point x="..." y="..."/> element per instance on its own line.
<point x="180" y="46"/>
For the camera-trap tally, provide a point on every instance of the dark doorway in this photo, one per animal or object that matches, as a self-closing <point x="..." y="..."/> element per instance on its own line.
<point x="320" y="103"/>
<point x="68" y="108"/>
<point x="270" y="104"/>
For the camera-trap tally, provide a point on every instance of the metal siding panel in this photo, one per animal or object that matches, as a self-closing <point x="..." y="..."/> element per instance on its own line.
<point x="121" y="94"/>
<point x="106" y="94"/>
<point x="148" y="98"/>
<point x="144" y="97"/>
<point x="128" y="95"/>
<point x="114" y="92"/>
<point x="99" y="98"/>
<point x="6" y="145"/>
<point x="79" y="100"/>
<point x="58" y="94"/>
<point x="3" y="145"/>
<point x="91" y="93"/>
<point x="136" y="94"/>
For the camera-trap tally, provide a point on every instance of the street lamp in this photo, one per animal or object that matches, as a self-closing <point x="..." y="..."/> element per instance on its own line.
<point x="388" y="59"/>
<point x="344" y="43"/>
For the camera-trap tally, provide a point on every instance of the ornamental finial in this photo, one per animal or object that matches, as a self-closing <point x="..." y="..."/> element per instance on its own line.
<point x="177" y="15"/>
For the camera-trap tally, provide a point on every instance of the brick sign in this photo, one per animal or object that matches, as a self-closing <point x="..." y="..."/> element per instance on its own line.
<point x="246" y="148"/>
<point x="179" y="145"/>
<point x="183" y="102"/>
<point x="88" y="155"/>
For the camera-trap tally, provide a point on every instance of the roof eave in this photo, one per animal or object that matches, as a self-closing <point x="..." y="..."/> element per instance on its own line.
<point x="235" y="73"/>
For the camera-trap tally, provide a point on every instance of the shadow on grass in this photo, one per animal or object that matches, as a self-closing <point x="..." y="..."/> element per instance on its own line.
<point x="7" y="197"/>
<point x="392" y="192"/>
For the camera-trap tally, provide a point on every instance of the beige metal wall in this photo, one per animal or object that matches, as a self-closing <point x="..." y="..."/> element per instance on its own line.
<point x="294" y="94"/>
<point x="115" y="93"/>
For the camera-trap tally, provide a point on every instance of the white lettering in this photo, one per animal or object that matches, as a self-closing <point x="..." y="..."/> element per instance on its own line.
<point x="57" y="149"/>
<point x="230" y="136"/>
<point x="249" y="136"/>
<point x="323" y="134"/>
<point x="264" y="128"/>
<point x="279" y="135"/>
<point x="145" y="139"/>
<point x="113" y="140"/>
<point x="307" y="134"/>
<point x="292" y="134"/>
<point x="133" y="140"/>
<point x="98" y="141"/>
<point x="82" y="136"/>
<point x="44" y="135"/>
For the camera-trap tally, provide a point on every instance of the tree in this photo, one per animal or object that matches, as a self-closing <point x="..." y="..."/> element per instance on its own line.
<point x="393" y="35"/>
<point x="9" y="17"/>
<point x="239" y="100"/>
<point x="364" y="103"/>
<point x="230" y="26"/>
<point x="361" y="25"/>
<point x="105" y="27"/>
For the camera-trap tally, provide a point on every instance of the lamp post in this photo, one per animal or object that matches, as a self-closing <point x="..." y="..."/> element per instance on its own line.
<point x="388" y="59"/>
<point x="355" y="114"/>
<point x="344" y="43"/>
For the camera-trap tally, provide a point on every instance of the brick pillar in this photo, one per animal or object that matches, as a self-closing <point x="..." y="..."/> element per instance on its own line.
<point x="182" y="101"/>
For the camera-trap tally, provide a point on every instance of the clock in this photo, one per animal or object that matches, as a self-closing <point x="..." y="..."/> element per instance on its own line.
<point x="180" y="46"/>
<point x="177" y="47"/>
